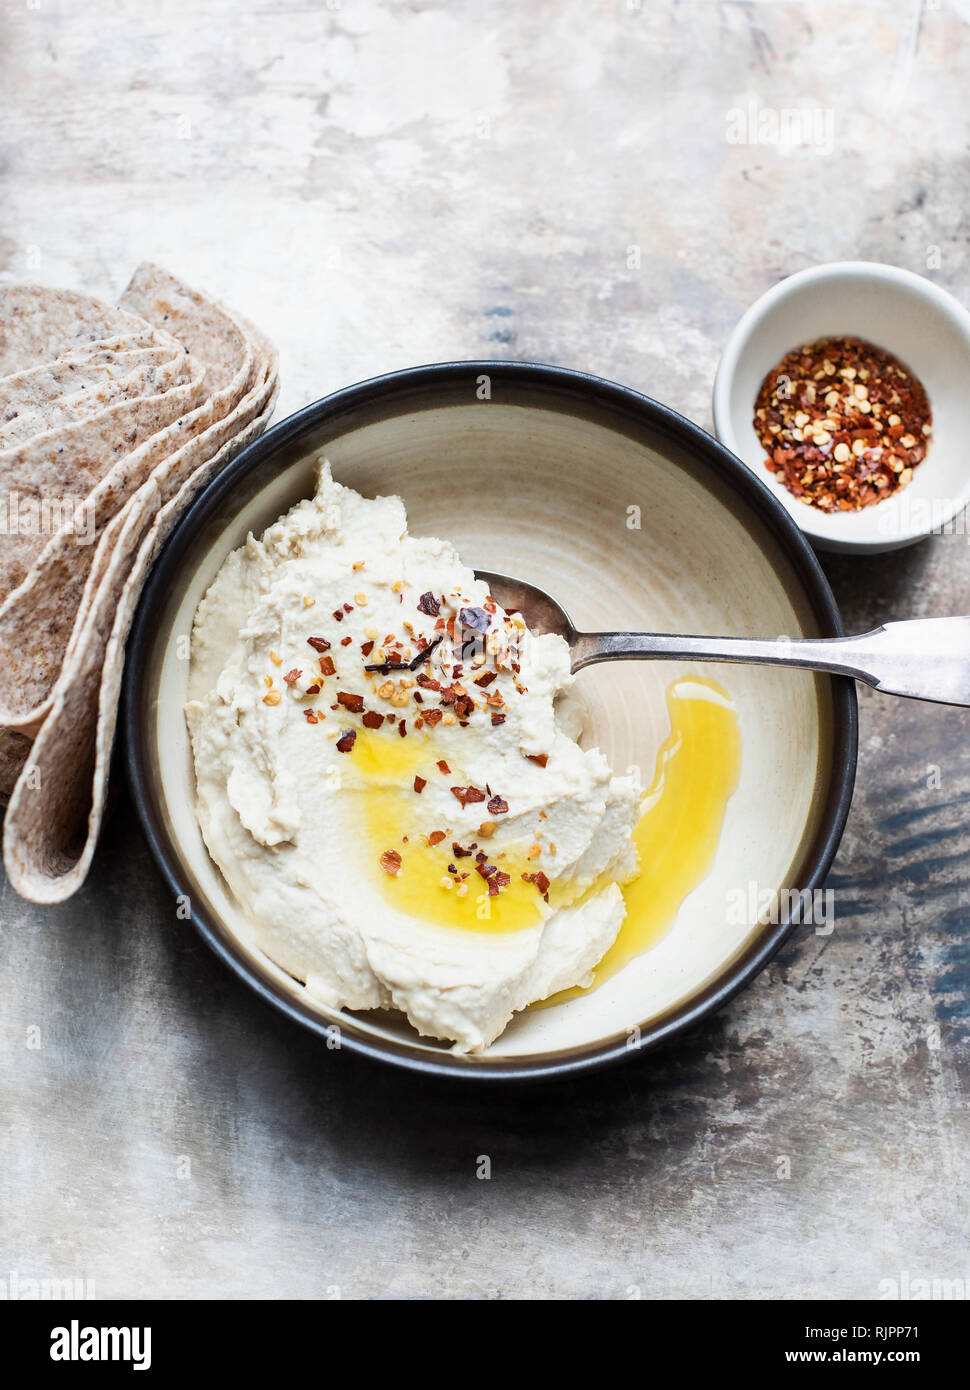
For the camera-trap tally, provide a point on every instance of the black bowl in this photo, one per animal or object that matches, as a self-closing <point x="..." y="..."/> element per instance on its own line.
<point x="462" y="398"/>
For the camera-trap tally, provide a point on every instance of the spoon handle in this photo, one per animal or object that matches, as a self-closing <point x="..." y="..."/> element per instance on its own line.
<point x="925" y="659"/>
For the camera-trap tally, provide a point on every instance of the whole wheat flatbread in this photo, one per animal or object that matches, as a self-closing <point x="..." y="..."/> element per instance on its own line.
<point x="77" y="375"/>
<point x="80" y="600"/>
<point x="37" y="619"/>
<point x="56" y="810"/>
<point x="69" y="462"/>
<point x="72" y="371"/>
<point x="14" y="749"/>
<point x="196" y="321"/>
<point x="38" y="324"/>
<point x="156" y="373"/>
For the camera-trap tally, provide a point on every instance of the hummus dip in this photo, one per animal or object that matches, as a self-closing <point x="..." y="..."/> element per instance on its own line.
<point x="384" y="780"/>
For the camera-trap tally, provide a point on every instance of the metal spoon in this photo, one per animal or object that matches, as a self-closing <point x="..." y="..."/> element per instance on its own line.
<point x="924" y="659"/>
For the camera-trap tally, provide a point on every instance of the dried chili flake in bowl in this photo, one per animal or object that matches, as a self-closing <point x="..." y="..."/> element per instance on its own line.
<point x="843" y="423"/>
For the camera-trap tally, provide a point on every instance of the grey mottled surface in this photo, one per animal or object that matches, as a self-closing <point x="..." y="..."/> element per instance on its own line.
<point x="384" y="184"/>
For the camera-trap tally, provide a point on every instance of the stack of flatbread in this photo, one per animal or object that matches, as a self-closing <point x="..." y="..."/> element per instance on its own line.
<point x="111" y="421"/>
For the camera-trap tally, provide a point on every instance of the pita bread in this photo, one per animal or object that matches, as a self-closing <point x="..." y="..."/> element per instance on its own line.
<point x="80" y="600"/>
<point x="76" y="387"/>
<point x="38" y="324"/>
<point x="36" y="620"/>
<point x="56" y="810"/>
<point x="69" y="462"/>
<point x="14" y="749"/>
<point x="199" y="323"/>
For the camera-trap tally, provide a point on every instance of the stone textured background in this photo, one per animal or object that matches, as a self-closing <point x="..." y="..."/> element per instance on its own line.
<point x="379" y="185"/>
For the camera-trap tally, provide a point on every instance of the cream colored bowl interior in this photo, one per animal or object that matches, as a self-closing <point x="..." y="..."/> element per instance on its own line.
<point x="547" y="497"/>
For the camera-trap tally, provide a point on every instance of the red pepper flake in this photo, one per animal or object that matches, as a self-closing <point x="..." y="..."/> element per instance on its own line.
<point x="419" y="784"/>
<point x="348" y="608"/>
<point x="464" y="706"/>
<point x="346" y="741"/>
<point x="372" y="720"/>
<point x="428" y="682"/>
<point x="467" y="795"/>
<point x="502" y="879"/>
<point x="391" y="862"/>
<point x="346" y="641"/>
<point x="486" y="679"/>
<point x="327" y="668"/>
<point x="433" y="717"/>
<point x="313" y="689"/>
<point x="497" y="719"/>
<point x="292" y="676"/>
<point x="540" y="759"/>
<point x="436" y="837"/>
<point x="355" y="703"/>
<point x="402" y="728"/>
<point x="540" y="880"/>
<point x="449" y="695"/>
<point x="338" y="615"/>
<point x="442" y="765"/>
<point x="843" y="423"/>
<point x="427" y="603"/>
<point x="497" y="806"/>
<point x="310" y="716"/>
<point x="439" y="623"/>
<point x="319" y="644"/>
<point x="460" y="853"/>
<point x="367" y="648"/>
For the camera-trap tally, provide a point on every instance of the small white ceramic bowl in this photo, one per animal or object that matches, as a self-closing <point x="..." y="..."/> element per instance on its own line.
<point x="896" y="310"/>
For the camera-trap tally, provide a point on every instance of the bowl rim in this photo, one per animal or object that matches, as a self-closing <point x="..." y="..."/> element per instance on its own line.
<point x="942" y="302"/>
<point x="559" y="386"/>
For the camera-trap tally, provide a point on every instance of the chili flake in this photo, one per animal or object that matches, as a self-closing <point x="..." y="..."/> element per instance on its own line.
<point x="465" y="795"/>
<point x="844" y="423"/>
